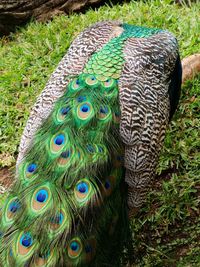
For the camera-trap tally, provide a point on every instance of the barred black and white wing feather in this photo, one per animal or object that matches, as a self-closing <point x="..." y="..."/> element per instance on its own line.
<point x="149" y="89"/>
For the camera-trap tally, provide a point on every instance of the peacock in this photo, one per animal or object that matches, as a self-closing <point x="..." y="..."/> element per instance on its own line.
<point x="90" y="147"/>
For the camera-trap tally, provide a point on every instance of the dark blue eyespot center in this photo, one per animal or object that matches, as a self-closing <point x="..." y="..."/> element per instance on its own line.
<point x="100" y="149"/>
<point x="45" y="255"/>
<point x="93" y="78"/>
<point x="31" y="167"/>
<point x="107" y="184"/>
<point x="82" y="187"/>
<point x="65" y="111"/>
<point x="74" y="246"/>
<point x="104" y="110"/>
<point x="81" y="98"/>
<point x="42" y="196"/>
<point x="88" y="248"/>
<point x="65" y="154"/>
<point x="59" y="139"/>
<point x="58" y="219"/>
<point x="85" y="108"/>
<point x="14" y="206"/>
<point x="77" y="82"/>
<point x="26" y="240"/>
<point x="90" y="148"/>
<point x="120" y="158"/>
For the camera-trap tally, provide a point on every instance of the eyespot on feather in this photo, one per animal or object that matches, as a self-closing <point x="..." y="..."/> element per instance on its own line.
<point x="10" y="210"/>
<point x="81" y="98"/>
<point x="59" y="222"/>
<point x="57" y="143"/>
<point x="83" y="191"/>
<point x="41" y="199"/>
<point x="92" y="152"/>
<point x="104" y="113"/>
<point x="24" y="246"/>
<point x="75" y="248"/>
<point x="26" y="240"/>
<point x="56" y="221"/>
<point x="109" y="83"/>
<point x="43" y="259"/>
<point x="90" y="249"/>
<point x="84" y="111"/>
<point x="102" y="150"/>
<point x="118" y="161"/>
<point x="109" y="185"/>
<point x="29" y="169"/>
<point x="75" y="84"/>
<point x="90" y="148"/>
<point x="91" y="80"/>
<point x="65" y="158"/>
<point x="14" y="206"/>
<point x="111" y="181"/>
<point x="62" y="113"/>
<point x="110" y="88"/>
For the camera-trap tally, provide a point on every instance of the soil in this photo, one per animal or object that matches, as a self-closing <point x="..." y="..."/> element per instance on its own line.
<point x="6" y="177"/>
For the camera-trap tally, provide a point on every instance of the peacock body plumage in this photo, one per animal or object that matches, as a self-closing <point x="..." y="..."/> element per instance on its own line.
<point x="105" y="107"/>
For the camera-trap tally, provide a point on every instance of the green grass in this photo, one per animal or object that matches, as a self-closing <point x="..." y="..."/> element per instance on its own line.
<point x="167" y="229"/>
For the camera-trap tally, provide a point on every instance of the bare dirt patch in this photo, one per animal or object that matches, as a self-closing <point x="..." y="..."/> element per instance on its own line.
<point x="6" y="177"/>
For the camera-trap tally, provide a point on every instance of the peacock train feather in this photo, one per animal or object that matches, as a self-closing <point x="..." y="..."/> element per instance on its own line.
<point x="106" y="105"/>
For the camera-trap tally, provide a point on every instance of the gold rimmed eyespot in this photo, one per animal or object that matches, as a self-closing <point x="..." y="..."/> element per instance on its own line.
<point x="11" y="209"/>
<point x="109" y="83"/>
<point x="83" y="191"/>
<point x="25" y="245"/>
<point x="75" y="248"/>
<point x="104" y="113"/>
<point x="65" y="158"/>
<point x="30" y="169"/>
<point x="91" y="80"/>
<point x="75" y="84"/>
<point x="41" y="199"/>
<point x="84" y="111"/>
<point x="62" y="113"/>
<point x="57" y="142"/>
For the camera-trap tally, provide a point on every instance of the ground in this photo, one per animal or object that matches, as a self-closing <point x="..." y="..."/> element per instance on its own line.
<point x="167" y="229"/>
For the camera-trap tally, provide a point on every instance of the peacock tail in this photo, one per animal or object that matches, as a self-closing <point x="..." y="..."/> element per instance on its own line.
<point x="68" y="206"/>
